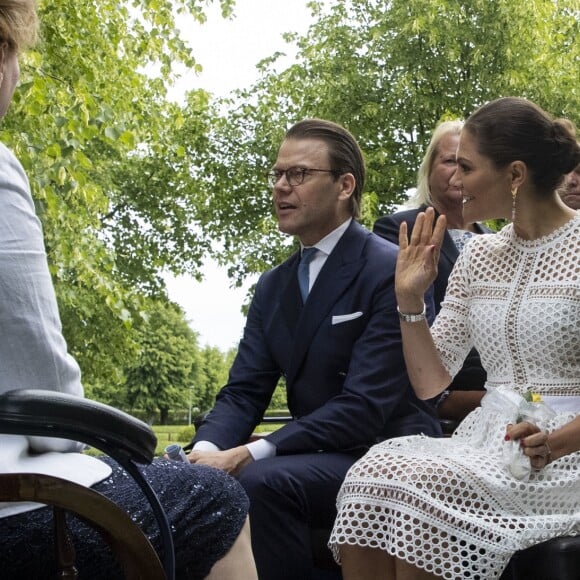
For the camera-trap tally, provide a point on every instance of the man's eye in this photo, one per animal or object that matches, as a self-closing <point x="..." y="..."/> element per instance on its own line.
<point x="295" y="173"/>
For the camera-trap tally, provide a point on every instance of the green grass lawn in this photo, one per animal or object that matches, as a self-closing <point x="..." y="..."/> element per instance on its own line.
<point x="182" y="435"/>
<point x="168" y="434"/>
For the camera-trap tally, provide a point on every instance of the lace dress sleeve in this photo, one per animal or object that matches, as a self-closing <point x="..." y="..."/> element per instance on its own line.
<point x="451" y="330"/>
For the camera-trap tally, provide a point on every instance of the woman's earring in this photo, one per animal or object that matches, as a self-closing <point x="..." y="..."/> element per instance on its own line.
<point x="514" y="195"/>
<point x="1" y="78"/>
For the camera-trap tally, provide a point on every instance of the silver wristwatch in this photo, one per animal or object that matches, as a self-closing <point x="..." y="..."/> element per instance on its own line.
<point x="412" y="317"/>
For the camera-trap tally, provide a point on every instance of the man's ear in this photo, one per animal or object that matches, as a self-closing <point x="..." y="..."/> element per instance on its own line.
<point x="348" y="183"/>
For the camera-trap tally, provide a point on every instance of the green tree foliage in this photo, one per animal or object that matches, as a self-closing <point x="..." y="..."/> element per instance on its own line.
<point x="128" y="184"/>
<point x="161" y="378"/>
<point x="389" y="70"/>
<point x="279" y="402"/>
<point x="211" y="376"/>
<point x="95" y="134"/>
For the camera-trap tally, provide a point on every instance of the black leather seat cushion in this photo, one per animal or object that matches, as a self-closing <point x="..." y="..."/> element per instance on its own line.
<point x="556" y="559"/>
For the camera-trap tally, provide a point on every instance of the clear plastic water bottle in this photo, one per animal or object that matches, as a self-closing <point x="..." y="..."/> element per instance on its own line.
<point x="176" y="452"/>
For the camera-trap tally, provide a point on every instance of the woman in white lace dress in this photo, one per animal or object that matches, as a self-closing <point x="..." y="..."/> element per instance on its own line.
<point x="417" y="507"/>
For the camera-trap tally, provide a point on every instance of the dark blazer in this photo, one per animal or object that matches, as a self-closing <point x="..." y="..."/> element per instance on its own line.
<point x="340" y="354"/>
<point x="472" y="376"/>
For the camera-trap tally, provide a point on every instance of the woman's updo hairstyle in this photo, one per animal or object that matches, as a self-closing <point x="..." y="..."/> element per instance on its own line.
<point x="515" y="129"/>
<point x="18" y="24"/>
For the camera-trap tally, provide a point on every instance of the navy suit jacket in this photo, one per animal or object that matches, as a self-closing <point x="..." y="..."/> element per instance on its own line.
<point x="340" y="354"/>
<point x="472" y="376"/>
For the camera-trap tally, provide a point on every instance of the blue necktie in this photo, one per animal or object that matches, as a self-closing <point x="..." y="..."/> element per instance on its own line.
<point x="304" y="271"/>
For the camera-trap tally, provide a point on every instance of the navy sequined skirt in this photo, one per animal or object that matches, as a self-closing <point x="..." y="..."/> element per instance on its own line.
<point x="205" y="507"/>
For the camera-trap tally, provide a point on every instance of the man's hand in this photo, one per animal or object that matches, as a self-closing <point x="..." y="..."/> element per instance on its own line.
<point x="231" y="461"/>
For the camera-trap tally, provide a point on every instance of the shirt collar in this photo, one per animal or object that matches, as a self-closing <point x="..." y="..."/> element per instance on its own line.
<point x="328" y="242"/>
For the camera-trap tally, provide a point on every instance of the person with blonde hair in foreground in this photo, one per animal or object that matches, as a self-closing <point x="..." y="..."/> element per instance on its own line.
<point x="206" y="508"/>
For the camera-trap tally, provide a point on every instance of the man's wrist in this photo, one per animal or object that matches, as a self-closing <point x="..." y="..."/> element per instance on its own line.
<point x="205" y="446"/>
<point x="261" y="449"/>
<point x="242" y="457"/>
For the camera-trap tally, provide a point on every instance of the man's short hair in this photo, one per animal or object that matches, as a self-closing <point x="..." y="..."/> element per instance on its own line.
<point x="345" y="155"/>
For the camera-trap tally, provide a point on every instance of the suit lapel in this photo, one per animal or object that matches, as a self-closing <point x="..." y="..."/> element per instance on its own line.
<point x="290" y="299"/>
<point x="340" y="269"/>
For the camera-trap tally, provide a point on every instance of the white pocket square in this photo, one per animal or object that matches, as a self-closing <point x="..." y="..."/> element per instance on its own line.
<point x="340" y="318"/>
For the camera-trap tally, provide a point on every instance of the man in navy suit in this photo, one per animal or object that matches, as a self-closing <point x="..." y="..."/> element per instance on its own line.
<point x="338" y="349"/>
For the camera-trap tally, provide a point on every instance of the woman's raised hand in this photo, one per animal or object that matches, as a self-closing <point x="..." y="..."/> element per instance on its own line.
<point x="417" y="259"/>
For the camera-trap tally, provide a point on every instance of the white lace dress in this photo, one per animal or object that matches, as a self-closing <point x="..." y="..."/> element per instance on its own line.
<point x="449" y="505"/>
